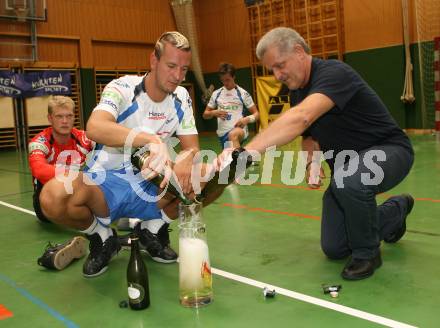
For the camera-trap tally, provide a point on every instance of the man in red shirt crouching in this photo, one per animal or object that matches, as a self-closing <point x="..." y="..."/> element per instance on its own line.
<point x="60" y="145"/>
<point x="61" y="138"/>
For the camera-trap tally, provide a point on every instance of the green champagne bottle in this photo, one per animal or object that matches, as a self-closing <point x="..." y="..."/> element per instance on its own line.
<point x="238" y="155"/>
<point x="234" y="169"/>
<point x="137" y="278"/>
<point x="138" y="159"/>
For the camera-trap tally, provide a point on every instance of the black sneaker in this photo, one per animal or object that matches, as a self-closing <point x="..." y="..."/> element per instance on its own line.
<point x="58" y="256"/>
<point x="164" y="238"/>
<point x="100" y="254"/>
<point x="395" y="237"/>
<point x="157" y="245"/>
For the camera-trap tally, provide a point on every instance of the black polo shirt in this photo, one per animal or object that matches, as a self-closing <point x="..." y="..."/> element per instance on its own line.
<point x="359" y="120"/>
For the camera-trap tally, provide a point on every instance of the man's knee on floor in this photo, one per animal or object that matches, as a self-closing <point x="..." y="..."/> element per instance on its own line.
<point x="352" y="188"/>
<point x="334" y="252"/>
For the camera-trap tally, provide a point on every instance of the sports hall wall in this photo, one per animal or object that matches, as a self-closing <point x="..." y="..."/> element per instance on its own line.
<point x="101" y="36"/>
<point x="373" y="46"/>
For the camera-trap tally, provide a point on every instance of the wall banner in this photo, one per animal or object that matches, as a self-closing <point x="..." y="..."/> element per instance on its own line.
<point x="273" y="99"/>
<point x="34" y="84"/>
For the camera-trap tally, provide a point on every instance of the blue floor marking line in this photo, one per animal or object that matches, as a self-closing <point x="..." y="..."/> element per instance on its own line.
<point x="38" y="302"/>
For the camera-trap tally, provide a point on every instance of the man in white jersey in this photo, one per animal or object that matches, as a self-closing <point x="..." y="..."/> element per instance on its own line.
<point x="133" y="112"/>
<point x="228" y="104"/>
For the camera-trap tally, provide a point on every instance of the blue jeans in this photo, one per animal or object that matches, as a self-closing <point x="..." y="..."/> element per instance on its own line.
<point x="352" y="223"/>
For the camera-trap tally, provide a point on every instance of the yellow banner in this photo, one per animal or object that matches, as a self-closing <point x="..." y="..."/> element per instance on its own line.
<point x="273" y="99"/>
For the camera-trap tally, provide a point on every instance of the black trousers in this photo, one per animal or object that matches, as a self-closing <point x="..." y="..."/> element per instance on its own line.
<point x="36" y="202"/>
<point x="352" y="223"/>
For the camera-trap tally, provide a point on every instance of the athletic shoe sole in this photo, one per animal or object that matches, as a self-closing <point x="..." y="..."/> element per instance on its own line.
<point x="76" y="249"/>
<point x="125" y="246"/>
<point x="159" y="259"/>
<point x="154" y="258"/>
<point x="104" y="269"/>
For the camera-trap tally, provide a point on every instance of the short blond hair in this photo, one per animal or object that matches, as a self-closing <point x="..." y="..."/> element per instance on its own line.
<point x="174" y="38"/>
<point x="60" y="101"/>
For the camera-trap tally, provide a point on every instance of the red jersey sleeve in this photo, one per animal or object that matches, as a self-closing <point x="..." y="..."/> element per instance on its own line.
<point x="39" y="149"/>
<point x="40" y="168"/>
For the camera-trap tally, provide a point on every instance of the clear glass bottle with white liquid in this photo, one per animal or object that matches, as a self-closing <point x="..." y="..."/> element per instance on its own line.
<point x="195" y="277"/>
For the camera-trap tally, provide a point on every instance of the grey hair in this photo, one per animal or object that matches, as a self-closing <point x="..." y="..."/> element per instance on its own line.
<point x="284" y="38"/>
<point x="174" y="38"/>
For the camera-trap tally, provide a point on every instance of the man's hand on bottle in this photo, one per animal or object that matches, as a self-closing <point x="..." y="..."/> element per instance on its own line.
<point x="183" y="168"/>
<point x="158" y="162"/>
<point x="314" y="175"/>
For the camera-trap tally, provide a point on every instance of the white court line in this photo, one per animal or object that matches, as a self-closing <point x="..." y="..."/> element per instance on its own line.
<point x="313" y="300"/>
<point x="18" y="208"/>
<point x="298" y="296"/>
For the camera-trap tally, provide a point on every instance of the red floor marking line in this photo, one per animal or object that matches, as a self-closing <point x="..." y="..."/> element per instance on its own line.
<point x="264" y="210"/>
<point x="382" y="195"/>
<point x="429" y="200"/>
<point x="4" y="312"/>
<point x="278" y="185"/>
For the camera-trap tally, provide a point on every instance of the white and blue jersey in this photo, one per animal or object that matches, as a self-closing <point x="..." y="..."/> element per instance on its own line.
<point x="235" y="102"/>
<point x="126" y="192"/>
<point x="125" y="98"/>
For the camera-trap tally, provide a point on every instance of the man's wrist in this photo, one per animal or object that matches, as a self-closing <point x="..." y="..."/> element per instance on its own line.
<point x="188" y="154"/>
<point x="251" y="118"/>
<point x="310" y="163"/>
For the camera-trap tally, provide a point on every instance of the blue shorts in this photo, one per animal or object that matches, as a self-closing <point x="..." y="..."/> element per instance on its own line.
<point x="225" y="138"/>
<point x="127" y="194"/>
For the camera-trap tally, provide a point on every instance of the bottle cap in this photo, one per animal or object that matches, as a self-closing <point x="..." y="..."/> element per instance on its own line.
<point x="331" y="288"/>
<point x="334" y="294"/>
<point x="268" y="293"/>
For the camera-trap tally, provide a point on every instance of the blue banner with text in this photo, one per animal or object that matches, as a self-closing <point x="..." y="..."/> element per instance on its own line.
<point x="34" y="84"/>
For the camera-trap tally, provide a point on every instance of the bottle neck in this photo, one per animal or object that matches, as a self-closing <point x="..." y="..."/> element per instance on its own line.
<point x="134" y="243"/>
<point x="138" y="159"/>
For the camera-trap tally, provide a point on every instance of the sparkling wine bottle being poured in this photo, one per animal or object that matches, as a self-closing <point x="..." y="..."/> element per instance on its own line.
<point x="137" y="278"/>
<point x="235" y="166"/>
<point x="138" y="159"/>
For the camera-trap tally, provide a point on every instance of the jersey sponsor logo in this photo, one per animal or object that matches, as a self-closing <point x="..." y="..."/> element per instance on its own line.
<point x="188" y="124"/>
<point x="34" y="146"/>
<point x="112" y="96"/>
<point x="42" y="139"/>
<point x="121" y="84"/>
<point x="109" y="103"/>
<point x="156" y="116"/>
<point x="229" y="107"/>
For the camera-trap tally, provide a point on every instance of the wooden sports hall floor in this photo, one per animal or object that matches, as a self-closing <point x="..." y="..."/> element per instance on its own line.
<point x="259" y="235"/>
